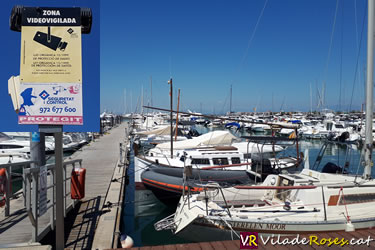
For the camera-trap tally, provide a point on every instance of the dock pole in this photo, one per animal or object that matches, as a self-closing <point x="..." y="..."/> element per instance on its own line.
<point x="59" y="190"/>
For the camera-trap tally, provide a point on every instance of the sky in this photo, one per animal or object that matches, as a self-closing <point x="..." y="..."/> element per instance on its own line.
<point x="10" y="44"/>
<point x="276" y="54"/>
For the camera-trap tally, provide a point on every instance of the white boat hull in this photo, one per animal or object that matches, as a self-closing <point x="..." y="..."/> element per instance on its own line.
<point x="203" y="230"/>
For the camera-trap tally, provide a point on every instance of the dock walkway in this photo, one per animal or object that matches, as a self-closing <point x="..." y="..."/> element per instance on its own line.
<point x="100" y="158"/>
<point x="359" y="239"/>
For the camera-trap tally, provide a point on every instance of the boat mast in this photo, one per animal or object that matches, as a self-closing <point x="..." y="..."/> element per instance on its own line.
<point x="310" y="99"/>
<point x="142" y="100"/>
<point x="125" y="101"/>
<point x="230" y="103"/>
<point x="369" y="91"/>
<point x="131" y="102"/>
<point x="151" y="90"/>
<point x="171" y="132"/>
<point x="178" y="106"/>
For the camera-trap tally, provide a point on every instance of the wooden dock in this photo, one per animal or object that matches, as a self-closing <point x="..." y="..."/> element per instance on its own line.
<point x="364" y="234"/>
<point x="101" y="160"/>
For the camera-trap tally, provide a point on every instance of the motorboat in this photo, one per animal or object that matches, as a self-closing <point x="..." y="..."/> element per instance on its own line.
<point x="6" y="158"/>
<point x="218" y="149"/>
<point x="19" y="142"/>
<point x="205" y="153"/>
<point x="69" y="144"/>
<point x="167" y="183"/>
<point x="11" y="146"/>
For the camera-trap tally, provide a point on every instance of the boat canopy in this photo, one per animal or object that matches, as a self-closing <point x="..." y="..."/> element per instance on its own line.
<point x="209" y="139"/>
<point x="296" y="122"/>
<point x="165" y="130"/>
<point x="233" y="124"/>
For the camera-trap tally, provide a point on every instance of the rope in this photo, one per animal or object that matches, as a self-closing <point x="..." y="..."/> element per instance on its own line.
<point x="330" y="44"/>
<point x="253" y="35"/>
<point x="359" y="52"/>
<point x="342" y="45"/>
<point x="230" y="227"/>
<point x="343" y="199"/>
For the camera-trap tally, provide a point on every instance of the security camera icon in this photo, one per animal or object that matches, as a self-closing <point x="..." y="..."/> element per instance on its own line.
<point x="50" y="41"/>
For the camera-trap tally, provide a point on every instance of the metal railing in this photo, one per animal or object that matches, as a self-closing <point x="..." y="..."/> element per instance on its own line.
<point x="123" y="163"/>
<point x="31" y="179"/>
<point x="9" y="169"/>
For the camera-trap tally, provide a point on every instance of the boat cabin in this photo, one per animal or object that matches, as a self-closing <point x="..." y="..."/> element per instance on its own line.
<point x="308" y="187"/>
<point x="211" y="156"/>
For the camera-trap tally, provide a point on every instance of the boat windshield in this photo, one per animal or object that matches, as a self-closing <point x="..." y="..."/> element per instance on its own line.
<point x="236" y="160"/>
<point x="220" y="161"/>
<point x="201" y="161"/>
<point x="4" y="137"/>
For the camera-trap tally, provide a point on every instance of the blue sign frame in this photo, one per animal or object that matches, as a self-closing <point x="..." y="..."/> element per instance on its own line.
<point x="10" y="66"/>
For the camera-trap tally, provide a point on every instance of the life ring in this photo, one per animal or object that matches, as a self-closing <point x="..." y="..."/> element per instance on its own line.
<point x="3" y="177"/>
<point x="3" y="183"/>
<point x="2" y="186"/>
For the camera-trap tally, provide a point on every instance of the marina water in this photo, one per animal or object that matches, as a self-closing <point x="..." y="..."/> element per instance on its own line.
<point x="141" y="228"/>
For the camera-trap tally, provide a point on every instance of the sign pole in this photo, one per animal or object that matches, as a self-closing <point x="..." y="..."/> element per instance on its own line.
<point x="59" y="190"/>
<point x="37" y="154"/>
<point x="37" y="149"/>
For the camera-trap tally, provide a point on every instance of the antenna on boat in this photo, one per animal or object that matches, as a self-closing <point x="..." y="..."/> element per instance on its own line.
<point x="369" y="91"/>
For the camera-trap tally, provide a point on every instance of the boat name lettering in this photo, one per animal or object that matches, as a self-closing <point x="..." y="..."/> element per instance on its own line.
<point x="277" y="239"/>
<point x="255" y="225"/>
